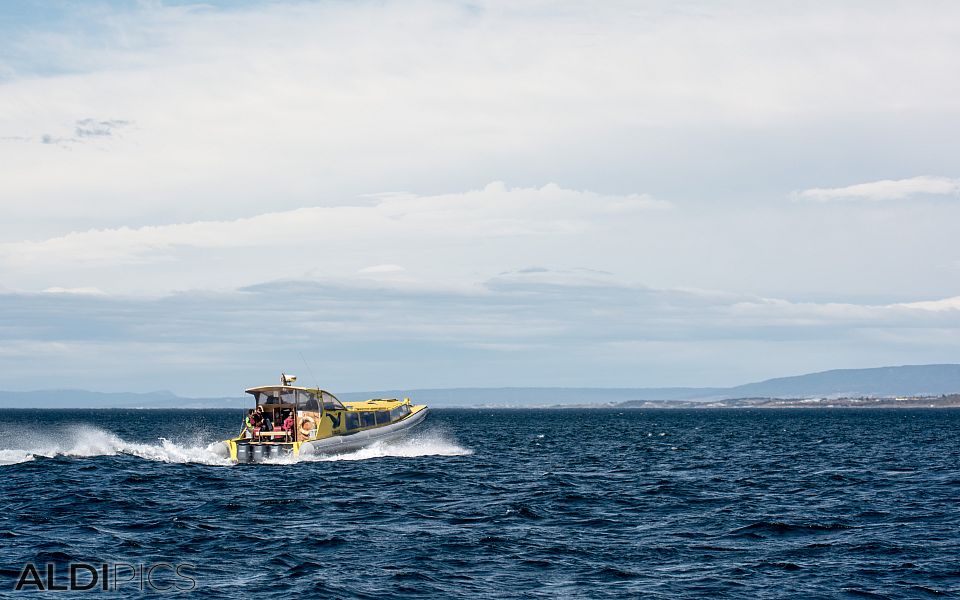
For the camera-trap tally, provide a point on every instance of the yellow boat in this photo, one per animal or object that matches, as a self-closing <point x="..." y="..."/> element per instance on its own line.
<point x="321" y="424"/>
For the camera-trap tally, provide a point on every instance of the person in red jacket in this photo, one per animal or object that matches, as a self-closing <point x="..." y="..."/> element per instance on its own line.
<point x="288" y="424"/>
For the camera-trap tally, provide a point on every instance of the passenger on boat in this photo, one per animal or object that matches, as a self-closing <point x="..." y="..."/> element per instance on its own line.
<point x="287" y="425"/>
<point x="248" y="424"/>
<point x="256" y="419"/>
<point x="266" y="422"/>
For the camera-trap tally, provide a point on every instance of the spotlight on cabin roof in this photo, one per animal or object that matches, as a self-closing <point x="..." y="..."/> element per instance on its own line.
<point x="287" y="379"/>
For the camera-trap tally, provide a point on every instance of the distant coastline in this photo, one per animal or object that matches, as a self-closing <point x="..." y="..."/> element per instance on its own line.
<point x="910" y="386"/>
<point x="863" y="402"/>
<point x="951" y="401"/>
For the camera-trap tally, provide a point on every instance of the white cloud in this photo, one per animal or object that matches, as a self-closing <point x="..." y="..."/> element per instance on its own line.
<point x="389" y="226"/>
<point x="945" y="304"/>
<point x="376" y="269"/>
<point x="886" y="189"/>
<point x="76" y="290"/>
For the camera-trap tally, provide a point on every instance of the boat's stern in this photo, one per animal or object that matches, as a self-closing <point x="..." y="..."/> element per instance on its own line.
<point x="242" y="451"/>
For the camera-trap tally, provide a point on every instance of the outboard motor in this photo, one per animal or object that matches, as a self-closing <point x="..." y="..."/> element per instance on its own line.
<point x="243" y="453"/>
<point x="258" y="453"/>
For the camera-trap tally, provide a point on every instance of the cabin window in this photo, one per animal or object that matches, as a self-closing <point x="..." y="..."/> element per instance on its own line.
<point x="274" y="397"/>
<point x="330" y="401"/>
<point x="367" y="419"/>
<point x="307" y="401"/>
<point x="352" y="421"/>
<point x="399" y="412"/>
<point x="304" y="400"/>
<point x="383" y="417"/>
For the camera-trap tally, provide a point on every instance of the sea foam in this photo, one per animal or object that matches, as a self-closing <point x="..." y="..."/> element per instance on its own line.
<point x="428" y="443"/>
<point x="87" y="441"/>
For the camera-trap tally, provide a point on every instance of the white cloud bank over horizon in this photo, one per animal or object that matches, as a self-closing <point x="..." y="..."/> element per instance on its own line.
<point x="535" y="326"/>
<point x="494" y="211"/>
<point x="436" y="234"/>
<point x="462" y="238"/>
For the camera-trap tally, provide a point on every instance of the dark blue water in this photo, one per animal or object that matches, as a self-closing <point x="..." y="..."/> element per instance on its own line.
<point x="494" y="504"/>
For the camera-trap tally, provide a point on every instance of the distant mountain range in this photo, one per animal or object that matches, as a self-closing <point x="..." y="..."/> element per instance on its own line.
<point x="87" y="399"/>
<point x="910" y="380"/>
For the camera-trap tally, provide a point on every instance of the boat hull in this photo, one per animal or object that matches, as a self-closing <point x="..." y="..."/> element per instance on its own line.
<point x="348" y="443"/>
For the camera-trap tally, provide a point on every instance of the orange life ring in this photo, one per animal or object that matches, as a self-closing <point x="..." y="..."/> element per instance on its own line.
<point x="307" y="424"/>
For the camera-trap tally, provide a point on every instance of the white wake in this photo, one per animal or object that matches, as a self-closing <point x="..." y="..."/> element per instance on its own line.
<point x="428" y="443"/>
<point x="12" y="457"/>
<point x="87" y="441"/>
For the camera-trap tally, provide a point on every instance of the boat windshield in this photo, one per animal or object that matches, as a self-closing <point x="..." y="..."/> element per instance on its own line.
<point x="330" y="401"/>
<point x="303" y="399"/>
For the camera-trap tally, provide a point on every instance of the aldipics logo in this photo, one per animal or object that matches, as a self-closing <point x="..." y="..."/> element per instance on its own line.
<point x="108" y="577"/>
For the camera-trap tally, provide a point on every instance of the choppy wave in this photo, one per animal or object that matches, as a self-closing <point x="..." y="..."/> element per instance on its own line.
<point x="566" y="503"/>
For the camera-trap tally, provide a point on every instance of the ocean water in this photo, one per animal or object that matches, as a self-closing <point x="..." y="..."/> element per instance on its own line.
<point x="499" y="504"/>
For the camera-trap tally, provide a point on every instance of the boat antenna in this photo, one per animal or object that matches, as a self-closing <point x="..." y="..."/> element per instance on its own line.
<point x="309" y="370"/>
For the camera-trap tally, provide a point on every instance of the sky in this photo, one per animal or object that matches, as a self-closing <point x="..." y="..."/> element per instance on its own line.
<point x="196" y="196"/>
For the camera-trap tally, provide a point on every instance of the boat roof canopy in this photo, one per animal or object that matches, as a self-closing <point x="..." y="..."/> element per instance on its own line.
<point x="278" y="388"/>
